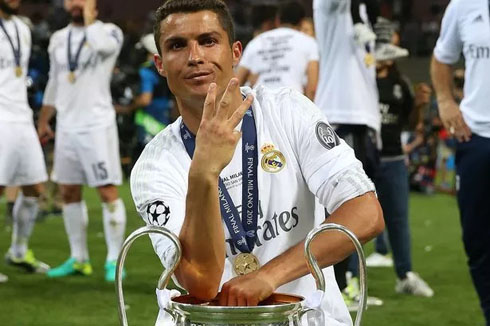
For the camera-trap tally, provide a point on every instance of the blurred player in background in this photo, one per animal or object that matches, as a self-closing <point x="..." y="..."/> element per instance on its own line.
<point x="82" y="57"/>
<point x="348" y="96"/>
<point x="465" y="30"/>
<point x="21" y="157"/>
<point x="263" y="18"/>
<point x="284" y="57"/>
<point x="400" y="109"/>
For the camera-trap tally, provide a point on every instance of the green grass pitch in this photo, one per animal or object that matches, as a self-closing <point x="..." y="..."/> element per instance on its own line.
<point x="35" y="300"/>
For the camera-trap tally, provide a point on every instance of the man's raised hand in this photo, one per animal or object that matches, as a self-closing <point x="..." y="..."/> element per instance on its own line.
<point x="217" y="138"/>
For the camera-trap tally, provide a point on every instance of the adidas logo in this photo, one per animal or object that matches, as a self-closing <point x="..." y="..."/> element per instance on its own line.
<point x="478" y="19"/>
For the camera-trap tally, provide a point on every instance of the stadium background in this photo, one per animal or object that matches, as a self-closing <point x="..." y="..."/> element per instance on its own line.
<point x="437" y="249"/>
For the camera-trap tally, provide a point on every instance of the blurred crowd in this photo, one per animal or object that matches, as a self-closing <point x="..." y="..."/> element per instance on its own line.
<point x="430" y="149"/>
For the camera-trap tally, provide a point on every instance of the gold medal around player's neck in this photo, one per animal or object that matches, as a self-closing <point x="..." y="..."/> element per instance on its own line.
<point x="71" y="77"/>
<point x="369" y="59"/>
<point x="245" y="263"/>
<point x="18" y="71"/>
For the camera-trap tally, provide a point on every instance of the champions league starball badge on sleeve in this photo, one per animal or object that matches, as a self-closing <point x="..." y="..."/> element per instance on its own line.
<point x="158" y="213"/>
<point x="273" y="160"/>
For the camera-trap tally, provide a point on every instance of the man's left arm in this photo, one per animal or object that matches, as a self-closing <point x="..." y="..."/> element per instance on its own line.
<point x="336" y="177"/>
<point x="103" y="38"/>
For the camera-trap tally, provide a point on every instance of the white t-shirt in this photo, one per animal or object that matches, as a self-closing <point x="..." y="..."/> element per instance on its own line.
<point x="14" y="106"/>
<point x="346" y="91"/>
<point x="280" y="57"/>
<point x="86" y="103"/>
<point x="465" y="29"/>
<point x="315" y="162"/>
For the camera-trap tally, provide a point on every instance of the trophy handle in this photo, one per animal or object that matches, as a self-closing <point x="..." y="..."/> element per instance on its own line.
<point x="317" y="271"/>
<point x="164" y="278"/>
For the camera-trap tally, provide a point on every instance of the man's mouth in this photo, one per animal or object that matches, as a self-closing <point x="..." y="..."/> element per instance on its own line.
<point x="198" y="75"/>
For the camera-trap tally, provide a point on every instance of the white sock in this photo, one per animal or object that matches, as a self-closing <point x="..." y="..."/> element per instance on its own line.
<point x="114" y="227"/>
<point x="75" y="217"/>
<point x="24" y="217"/>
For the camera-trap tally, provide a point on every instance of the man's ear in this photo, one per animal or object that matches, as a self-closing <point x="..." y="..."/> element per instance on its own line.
<point x="236" y="50"/>
<point x="159" y="64"/>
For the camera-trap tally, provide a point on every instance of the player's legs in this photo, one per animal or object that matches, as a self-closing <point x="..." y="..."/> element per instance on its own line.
<point x="114" y="216"/>
<point x="68" y="172"/>
<point x="472" y="162"/>
<point x="102" y="166"/>
<point x="23" y="164"/>
<point x="75" y="217"/>
<point x="24" y="217"/>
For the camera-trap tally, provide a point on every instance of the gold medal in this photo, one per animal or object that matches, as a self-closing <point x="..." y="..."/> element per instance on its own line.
<point x="18" y="71"/>
<point x="71" y="77"/>
<point x="369" y="59"/>
<point x="245" y="263"/>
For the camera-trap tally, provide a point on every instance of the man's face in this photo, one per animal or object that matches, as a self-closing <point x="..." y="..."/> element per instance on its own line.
<point x="75" y="9"/>
<point x="196" y="52"/>
<point x="10" y="7"/>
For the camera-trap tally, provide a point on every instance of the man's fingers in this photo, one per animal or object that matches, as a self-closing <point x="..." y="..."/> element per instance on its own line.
<point x="241" y="301"/>
<point x="224" y="104"/>
<point x="237" y="116"/>
<point x="223" y="297"/>
<point x="209" y="103"/>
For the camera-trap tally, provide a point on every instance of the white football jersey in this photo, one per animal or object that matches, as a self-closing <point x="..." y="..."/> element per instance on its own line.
<point x="346" y="91"/>
<point x="465" y="30"/>
<point x="14" y="106"/>
<point x="85" y="103"/>
<point x="280" y="57"/>
<point x="301" y="158"/>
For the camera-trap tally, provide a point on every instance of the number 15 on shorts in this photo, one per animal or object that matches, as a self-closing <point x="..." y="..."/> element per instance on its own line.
<point x="100" y="170"/>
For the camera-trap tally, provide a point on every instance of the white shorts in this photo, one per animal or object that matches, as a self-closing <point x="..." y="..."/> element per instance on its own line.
<point x="21" y="156"/>
<point x="88" y="157"/>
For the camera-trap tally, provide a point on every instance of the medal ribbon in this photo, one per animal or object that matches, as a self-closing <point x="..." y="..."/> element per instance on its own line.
<point x="17" y="51"/>
<point x="73" y="62"/>
<point x="244" y="232"/>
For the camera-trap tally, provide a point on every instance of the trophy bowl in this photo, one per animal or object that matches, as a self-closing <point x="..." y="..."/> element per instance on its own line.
<point x="277" y="310"/>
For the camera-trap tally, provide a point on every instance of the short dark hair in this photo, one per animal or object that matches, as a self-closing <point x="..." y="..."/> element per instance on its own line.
<point x="189" y="6"/>
<point x="261" y="14"/>
<point x="291" y="12"/>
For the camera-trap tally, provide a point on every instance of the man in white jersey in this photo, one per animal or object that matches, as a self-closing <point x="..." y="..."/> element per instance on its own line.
<point x="284" y="56"/>
<point x="21" y="156"/>
<point x="82" y="57"/>
<point x="465" y="29"/>
<point x="199" y="199"/>
<point x="347" y="92"/>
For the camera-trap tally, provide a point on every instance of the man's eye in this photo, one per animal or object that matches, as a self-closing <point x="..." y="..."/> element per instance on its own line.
<point x="209" y="41"/>
<point x="177" y="45"/>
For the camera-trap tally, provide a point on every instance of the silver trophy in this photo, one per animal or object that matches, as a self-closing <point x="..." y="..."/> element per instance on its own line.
<point x="278" y="310"/>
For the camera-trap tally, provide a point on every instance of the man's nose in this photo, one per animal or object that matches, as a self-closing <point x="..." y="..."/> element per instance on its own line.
<point x="195" y="54"/>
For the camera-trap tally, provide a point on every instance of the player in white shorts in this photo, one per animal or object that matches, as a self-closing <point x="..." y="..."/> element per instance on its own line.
<point x="82" y="57"/>
<point x="21" y="157"/>
<point x="265" y="153"/>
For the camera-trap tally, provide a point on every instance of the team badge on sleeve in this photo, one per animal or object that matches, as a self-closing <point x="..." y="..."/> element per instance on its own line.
<point x="158" y="213"/>
<point x="326" y="135"/>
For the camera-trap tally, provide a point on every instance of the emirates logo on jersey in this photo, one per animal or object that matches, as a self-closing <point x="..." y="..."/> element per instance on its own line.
<point x="326" y="135"/>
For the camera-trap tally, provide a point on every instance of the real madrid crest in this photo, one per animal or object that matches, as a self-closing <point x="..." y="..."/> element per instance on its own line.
<point x="273" y="160"/>
<point x="369" y="59"/>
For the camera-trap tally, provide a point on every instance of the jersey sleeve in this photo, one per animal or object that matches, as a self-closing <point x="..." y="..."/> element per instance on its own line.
<point x="52" y="86"/>
<point x="327" y="163"/>
<point x="248" y="56"/>
<point x="147" y="81"/>
<point x="105" y="38"/>
<point x="159" y="196"/>
<point x="449" y="45"/>
<point x="313" y="52"/>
